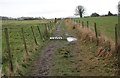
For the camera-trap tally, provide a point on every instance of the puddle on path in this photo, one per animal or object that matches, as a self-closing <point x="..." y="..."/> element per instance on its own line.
<point x="71" y="39"/>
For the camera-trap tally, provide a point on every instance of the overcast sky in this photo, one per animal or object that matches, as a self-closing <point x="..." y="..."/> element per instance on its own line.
<point x="54" y="8"/>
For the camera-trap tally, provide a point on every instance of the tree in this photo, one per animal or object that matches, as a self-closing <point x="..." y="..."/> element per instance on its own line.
<point x="79" y="11"/>
<point x="110" y="14"/>
<point x="95" y="14"/>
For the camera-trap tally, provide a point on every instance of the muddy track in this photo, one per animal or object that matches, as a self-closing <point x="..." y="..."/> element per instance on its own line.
<point x="42" y="66"/>
<point x="58" y="58"/>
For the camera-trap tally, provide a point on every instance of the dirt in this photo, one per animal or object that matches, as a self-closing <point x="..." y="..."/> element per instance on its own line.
<point x="61" y="58"/>
<point x="44" y="62"/>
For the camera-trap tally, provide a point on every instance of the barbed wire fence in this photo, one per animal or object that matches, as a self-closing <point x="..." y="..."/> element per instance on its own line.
<point x="43" y="34"/>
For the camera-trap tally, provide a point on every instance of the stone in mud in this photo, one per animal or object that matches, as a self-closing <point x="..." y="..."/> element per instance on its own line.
<point x="64" y="74"/>
<point x="78" y="70"/>
<point x="80" y="60"/>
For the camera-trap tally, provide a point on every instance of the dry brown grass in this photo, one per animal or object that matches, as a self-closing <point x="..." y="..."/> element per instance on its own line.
<point x="106" y="47"/>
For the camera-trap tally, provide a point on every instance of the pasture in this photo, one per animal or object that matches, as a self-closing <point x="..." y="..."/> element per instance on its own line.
<point x="42" y="56"/>
<point x="17" y="45"/>
<point x="105" y="25"/>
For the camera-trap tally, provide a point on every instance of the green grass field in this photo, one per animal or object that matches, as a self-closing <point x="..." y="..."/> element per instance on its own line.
<point x="16" y="42"/>
<point x="105" y="25"/>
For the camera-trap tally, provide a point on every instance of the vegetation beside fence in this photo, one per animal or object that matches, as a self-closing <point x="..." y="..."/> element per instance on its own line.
<point x="99" y="34"/>
<point x="21" y="41"/>
<point x="107" y="47"/>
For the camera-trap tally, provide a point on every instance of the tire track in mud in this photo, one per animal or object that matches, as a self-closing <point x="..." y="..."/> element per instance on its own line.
<point x="42" y="66"/>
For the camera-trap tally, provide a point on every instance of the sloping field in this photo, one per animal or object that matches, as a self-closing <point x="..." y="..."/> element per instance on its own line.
<point x="105" y="25"/>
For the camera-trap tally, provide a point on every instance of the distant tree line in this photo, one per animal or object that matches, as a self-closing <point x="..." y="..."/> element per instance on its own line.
<point x="21" y="18"/>
<point x="6" y="18"/>
<point x="80" y="10"/>
<point x="97" y="15"/>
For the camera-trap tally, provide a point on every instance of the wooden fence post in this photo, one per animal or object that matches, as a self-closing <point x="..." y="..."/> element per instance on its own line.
<point x="53" y="26"/>
<point x="96" y="34"/>
<point x="48" y="27"/>
<point x="34" y="35"/>
<point x="116" y="38"/>
<point x="46" y="30"/>
<point x="9" y="51"/>
<point x="23" y="37"/>
<point x="82" y="24"/>
<point x="87" y="24"/>
<point x="79" y="21"/>
<point x="40" y="32"/>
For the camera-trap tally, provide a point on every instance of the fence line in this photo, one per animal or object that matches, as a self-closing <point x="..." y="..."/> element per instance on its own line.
<point x="24" y="42"/>
<point x="82" y="24"/>
<point x="96" y="34"/>
<point x="46" y="31"/>
<point x="40" y="32"/>
<point x="9" y="51"/>
<point x="10" y="60"/>
<point x="87" y="24"/>
<point x="116" y="38"/>
<point x="34" y="36"/>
